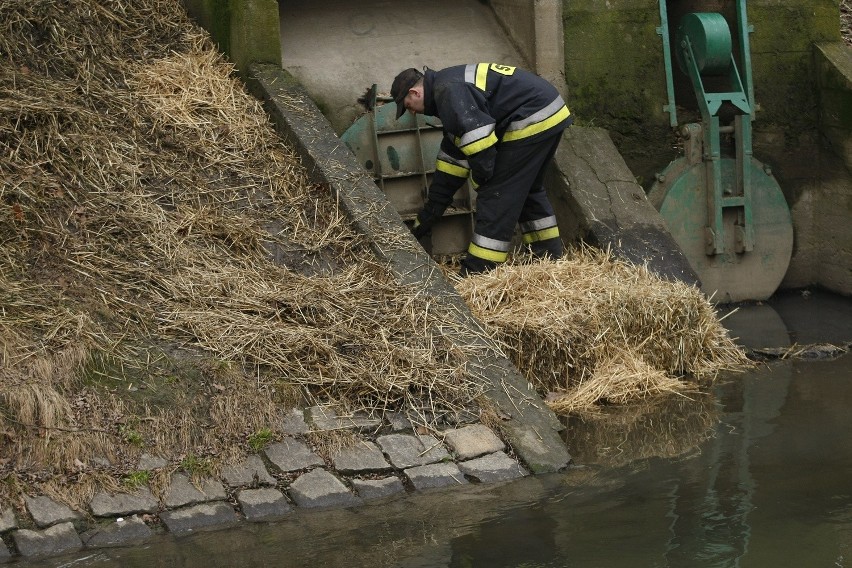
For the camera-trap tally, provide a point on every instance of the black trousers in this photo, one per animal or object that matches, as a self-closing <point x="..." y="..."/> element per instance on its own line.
<point x="515" y="194"/>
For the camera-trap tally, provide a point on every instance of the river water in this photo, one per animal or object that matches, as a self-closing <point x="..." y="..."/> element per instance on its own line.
<point x="755" y="473"/>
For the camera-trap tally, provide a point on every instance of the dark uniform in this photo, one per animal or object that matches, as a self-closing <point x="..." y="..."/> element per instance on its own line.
<point x="502" y="126"/>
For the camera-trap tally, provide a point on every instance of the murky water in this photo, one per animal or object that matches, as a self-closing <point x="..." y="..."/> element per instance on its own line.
<point x="757" y="473"/>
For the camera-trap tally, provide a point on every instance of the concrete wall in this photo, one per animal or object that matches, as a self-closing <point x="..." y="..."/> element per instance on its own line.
<point x="535" y="28"/>
<point x="246" y="30"/>
<point x="833" y="204"/>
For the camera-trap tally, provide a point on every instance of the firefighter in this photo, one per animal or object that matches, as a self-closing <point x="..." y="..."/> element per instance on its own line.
<point x="502" y="126"/>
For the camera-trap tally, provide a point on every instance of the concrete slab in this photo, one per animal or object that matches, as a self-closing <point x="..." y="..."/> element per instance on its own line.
<point x="399" y="422"/>
<point x="292" y="455"/>
<point x="106" y="504"/>
<point x="49" y="542"/>
<point x="319" y="488"/>
<point x="250" y="472"/>
<point x="321" y="418"/>
<point x="183" y="492"/>
<point x="294" y="422"/>
<point x="46" y="512"/>
<point x="148" y="462"/>
<point x="263" y="504"/>
<point x="493" y="467"/>
<point x="409" y="450"/>
<point x="339" y="48"/>
<point x="119" y="532"/>
<point x="473" y="441"/>
<point x="377" y="488"/>
<point x="361" y="458"/>
<point x="198" y="517"/>
<point x="7" y="520"/>
<point x="435" y="475"/>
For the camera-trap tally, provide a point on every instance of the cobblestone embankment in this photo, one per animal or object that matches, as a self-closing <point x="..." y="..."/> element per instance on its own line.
<point x="283" y="477"/>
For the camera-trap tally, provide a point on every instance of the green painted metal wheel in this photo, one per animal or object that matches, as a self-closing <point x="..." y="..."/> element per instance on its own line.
<point x="710" y="37"/>
<point x="680" y="197"/>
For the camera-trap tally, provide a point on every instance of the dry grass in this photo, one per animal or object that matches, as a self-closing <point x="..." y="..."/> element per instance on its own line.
<point x="589" y="329"/>
<point x="170" y="280"/>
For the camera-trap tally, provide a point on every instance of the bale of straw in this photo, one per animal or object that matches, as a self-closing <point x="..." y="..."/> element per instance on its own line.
<point x="591" y="325"/>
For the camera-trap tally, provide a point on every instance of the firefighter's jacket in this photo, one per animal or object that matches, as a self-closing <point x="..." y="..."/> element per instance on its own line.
<point x="480" y="106"/>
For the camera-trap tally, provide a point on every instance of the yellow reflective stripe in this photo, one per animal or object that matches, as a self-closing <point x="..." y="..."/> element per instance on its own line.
<point x="487" y="254"/>
<point x="543" y="235"/>
<point x="532" y="129"/>
<point x="473" y="184"/>
<point x="481" y="75"/>
<point x="479" y="145"/>
<point x="452" y="169"/>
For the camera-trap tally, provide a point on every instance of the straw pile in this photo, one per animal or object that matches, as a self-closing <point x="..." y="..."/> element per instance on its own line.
<point x="589" y="330"/>
<point x="170" y="281"/>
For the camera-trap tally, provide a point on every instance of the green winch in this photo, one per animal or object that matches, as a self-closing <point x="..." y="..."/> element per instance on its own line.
<point x="723" y="207"/>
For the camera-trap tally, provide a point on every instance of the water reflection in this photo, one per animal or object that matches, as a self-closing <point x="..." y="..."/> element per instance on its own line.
<point x="669" y="427"/>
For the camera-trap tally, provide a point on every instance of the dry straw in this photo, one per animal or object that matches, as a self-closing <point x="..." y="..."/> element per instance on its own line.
<point x="589" y="329"/>
<point x="170" y="279"/>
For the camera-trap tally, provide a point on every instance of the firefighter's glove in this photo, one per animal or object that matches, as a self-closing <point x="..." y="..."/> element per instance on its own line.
<point x="426" y="219"/>
<point x="423" y="225"/>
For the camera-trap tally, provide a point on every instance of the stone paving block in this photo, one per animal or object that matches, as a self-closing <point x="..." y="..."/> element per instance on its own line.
<point x="435" y="475"/>
<point x="49" y="542"/>
<point x="409" y="450"/>
<point x="183" y="492"/>
<point x="148" y="462"/>
<point x="473" y="441"/>
<point x="197" y="517"/>
<point x="263" y="504"/>
<point x="292" y="455"/>
<point x="294" y="422"/>
<point x="249" y="472"/>
<point x="46" y="512"/>
<point x="360" y="458"/>
<point x="377" y="488"/>
<point x="322" y="418"/>
<point x="319" y="488"/>
<point x="105" y="504"/>
<point x="119" y="532"/>
<point x="7" y="520"/>
<point x="399" y="421"/>
<point x="493" y="467"/>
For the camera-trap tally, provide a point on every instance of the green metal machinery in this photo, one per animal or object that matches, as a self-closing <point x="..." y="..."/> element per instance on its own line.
<point x="723" y="207"/>
<point x="400" y="155"/>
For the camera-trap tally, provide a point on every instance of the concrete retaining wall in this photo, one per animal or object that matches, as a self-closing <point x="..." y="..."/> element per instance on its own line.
<point x="535" y="27"/>
<point x="833" y="204"/>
